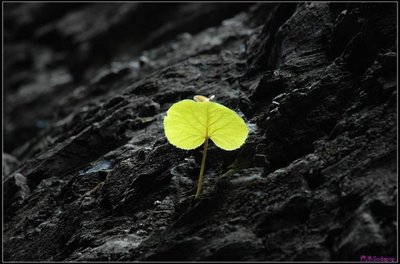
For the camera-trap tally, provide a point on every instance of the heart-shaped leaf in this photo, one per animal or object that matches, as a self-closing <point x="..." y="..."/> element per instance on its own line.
<point x="189" y="123"/>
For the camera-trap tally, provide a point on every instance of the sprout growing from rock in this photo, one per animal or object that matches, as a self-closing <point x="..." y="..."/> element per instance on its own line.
<point x="190" y="123"/>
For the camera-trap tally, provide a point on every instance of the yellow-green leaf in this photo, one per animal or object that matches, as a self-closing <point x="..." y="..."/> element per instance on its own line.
<point x="189" y="123"/>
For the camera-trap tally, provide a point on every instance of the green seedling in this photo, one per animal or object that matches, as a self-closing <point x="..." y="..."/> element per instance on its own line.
<point x="190" y="123"/>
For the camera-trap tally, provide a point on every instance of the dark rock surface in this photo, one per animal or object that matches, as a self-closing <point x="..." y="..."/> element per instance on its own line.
<point x="91" y="176"/>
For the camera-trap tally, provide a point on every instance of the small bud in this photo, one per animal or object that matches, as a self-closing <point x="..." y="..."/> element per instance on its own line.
<point x="201" y="98"/>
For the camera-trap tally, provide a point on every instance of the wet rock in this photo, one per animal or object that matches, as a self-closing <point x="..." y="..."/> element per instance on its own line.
<point x="230" y="247"/>
<point x="9" y="164"/>
<point x="112" y="249"/>
<point x="91" y="177"/>
<point x="16" y="189"/>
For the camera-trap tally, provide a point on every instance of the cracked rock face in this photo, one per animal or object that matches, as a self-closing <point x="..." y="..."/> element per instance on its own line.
<point x="89" y="175"/>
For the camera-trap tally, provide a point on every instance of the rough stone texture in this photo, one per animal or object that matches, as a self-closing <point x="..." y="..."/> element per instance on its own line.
<point x="86" y="88"/>
<point x="10" y="163"/>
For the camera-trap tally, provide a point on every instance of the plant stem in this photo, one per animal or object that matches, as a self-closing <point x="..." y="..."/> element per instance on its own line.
<point x="203" y="165"/>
